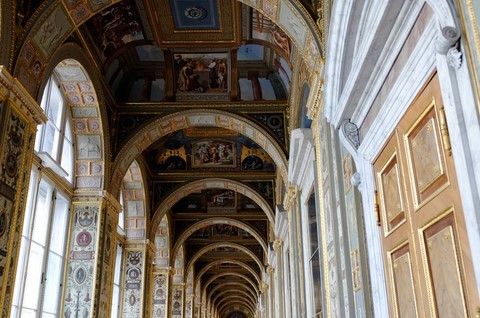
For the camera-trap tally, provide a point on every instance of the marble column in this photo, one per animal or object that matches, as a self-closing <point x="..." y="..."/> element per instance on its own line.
<point x="91" y="256"/>
<point x="278" y="279"/>
<point x="19" y="117"/>
<point x="291" y="204"/>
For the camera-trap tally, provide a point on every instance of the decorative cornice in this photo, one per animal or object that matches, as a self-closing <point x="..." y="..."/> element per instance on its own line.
<point x="11" y="89"/>
<point x="111" y="202"/>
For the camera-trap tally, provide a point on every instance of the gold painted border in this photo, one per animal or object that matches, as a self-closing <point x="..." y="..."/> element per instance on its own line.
<point x="472" y="48"/>
<point x="323" y="225"/>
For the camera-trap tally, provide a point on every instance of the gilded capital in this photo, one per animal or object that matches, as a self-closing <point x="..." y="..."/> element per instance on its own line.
<point x="290" y="196"/>
<point x="263" y="288"/>
<point x="270" y="269"/>
<point x="277" y="244"/>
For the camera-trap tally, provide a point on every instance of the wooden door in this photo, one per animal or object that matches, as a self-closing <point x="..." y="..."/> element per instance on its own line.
<point x="427" y="257"/>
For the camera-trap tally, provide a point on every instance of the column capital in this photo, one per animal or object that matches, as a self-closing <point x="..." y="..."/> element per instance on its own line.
<point x="277" y="244"/>
<point x="290" y="196"/>
<point x="263" y="287"/>
<point x="270" y="269"/>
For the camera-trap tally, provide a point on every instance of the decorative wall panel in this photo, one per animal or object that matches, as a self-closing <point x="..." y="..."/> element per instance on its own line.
<point x="391" y="194"/>
<point x="401" y="267"/>
<point x="445" y="282"/>
<point x="160" y="292"/>
<point x="81" y="262"/>
<point x="177" y="302"/>
<point x="133" y="286"/>
<point x="425" y="157"/>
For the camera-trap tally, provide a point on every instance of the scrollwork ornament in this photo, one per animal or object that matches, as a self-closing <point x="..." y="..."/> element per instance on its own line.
<point x="351" y="132"/>
<point x="447" y="38"/>
<point x="454" y="58"/>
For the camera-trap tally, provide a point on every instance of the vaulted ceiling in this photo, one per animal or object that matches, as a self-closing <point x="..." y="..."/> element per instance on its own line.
<point x="158" y="58"/>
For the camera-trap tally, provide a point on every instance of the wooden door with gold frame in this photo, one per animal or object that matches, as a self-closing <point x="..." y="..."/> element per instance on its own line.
<point x="427" y="256"/>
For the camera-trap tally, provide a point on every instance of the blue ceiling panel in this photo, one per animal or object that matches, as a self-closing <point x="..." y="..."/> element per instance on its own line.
<point x="195" y="15"/>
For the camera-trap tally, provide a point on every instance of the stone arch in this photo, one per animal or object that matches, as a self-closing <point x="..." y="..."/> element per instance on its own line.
<point x="87" y="113"/>
<point x="195" y="118"/>
<point x="214" y="300"/>
<point x="218" y="220"/>
<point x="211" y="183"/>
<point x="221" y="244"/>
<point x="231" y="308"/>
<point x="232" y="298"/>
<point x="232" y="273"/>
<point x="246" y="288"/>
<point x="231" y="261"/>
<point x="135" y="205"/>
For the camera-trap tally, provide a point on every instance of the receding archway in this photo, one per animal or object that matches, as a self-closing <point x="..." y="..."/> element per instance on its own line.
<point x="219" y="220"/>
<point x="195" y="118"/>
<point x="230" y="261"/>
<point x="211" y="183"/>
<point x="212" y="246"/>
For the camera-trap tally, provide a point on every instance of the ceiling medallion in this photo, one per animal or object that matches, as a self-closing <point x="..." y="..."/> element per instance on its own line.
<point x="196" y="13"/>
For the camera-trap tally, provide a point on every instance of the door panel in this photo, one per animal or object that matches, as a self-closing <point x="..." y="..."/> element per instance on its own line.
<point x="426" y="250"/>
<point x="401" y="270"/>
<point x="425" y="157"/>
<point x="439" y="242"/>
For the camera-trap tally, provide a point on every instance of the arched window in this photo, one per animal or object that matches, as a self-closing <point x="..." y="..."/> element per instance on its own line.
<point x="41" y="262"/>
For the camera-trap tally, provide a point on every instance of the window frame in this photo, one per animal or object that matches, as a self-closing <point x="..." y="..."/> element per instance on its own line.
<point x="49" y="159"/>
<point x="21" y="285"/>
